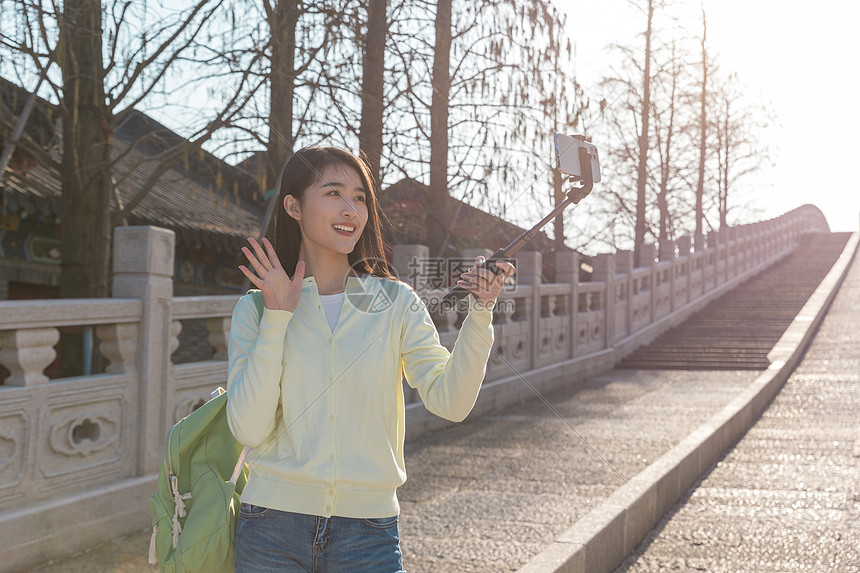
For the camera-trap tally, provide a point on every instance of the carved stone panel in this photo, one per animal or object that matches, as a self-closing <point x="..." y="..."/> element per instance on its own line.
<point x="13" y="441"/>
<point x="189" y="402"/>
<point x="81" y="436"/>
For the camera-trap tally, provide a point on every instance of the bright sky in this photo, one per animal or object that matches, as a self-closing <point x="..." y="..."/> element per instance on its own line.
<point x="800" y="58"/>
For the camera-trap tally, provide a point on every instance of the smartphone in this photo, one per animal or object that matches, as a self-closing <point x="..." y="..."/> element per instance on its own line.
<point x="567" y="155"/>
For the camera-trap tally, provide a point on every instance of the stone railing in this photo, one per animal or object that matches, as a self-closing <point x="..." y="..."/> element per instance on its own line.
<point x="79" y="455"/>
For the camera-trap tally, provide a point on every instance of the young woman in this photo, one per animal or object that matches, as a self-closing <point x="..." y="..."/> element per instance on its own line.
<point x="314" y="384"/>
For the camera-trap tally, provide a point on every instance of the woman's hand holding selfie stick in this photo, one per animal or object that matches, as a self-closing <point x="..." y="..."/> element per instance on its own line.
<point x="492" y="264"/>
<point x="279" y="291"/>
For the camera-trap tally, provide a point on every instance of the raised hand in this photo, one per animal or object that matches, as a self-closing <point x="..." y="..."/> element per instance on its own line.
<point x="279" y="291"/>
<point x="483" y="283"/>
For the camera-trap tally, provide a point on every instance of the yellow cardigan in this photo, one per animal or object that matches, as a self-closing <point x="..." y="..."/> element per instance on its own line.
<point x="323" y="409"/>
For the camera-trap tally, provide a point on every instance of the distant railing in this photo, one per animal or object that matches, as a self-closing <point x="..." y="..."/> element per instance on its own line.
<point x="63" y="439"/>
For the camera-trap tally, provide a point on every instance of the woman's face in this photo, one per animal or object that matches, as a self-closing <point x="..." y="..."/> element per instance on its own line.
<point x="333" y="212"/>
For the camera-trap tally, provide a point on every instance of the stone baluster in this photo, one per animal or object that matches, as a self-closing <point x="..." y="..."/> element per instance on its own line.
<point x="624" y="279"/>
<point x="26" y="353"/>
<point x="118" y="343"/>
<point x="567" y="272"/>
<point x="219" y="334"/>
<point x="529" y="265"/>
<point x="667" y="254"/>
<point x="685" y="254"/>
<point x="604" y="271"/>
<point x="175" y="331"/>
<point x="648" y="259"/>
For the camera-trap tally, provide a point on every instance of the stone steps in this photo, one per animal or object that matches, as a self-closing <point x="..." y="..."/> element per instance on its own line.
<point x="736" y="331"/>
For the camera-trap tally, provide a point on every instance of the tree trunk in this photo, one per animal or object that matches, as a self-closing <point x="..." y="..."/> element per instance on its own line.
<point x="370" y="133"/>
<point x="85" y="209"/>
<point x="85" y="174"/>
<point x="724" y="192"/>
<point x="283" y="18"/>
<point x="666" y="167"/>
<point x="703" y="128"/>
<point x="438" y="199"/>
<point x="641" y="175"/>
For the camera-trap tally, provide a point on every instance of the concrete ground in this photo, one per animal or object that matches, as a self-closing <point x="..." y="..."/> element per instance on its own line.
<point x="787" y="496"/>
<point x="489" y="494"/>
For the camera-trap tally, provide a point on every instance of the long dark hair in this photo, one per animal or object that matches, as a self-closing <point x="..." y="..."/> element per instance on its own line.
<point x="300" y="173"/>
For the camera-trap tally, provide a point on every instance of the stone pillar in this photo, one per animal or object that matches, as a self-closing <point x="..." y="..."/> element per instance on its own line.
<point x="624" y="267"/>
<point x="604" y="271"/>
<point x="409" y="263"/>
<point x="648" y="256"/>
<point x="712" y="240"/>
<point x="667" y="253"/>
<point x="529" y="266"/>
<point x="567" y="272"/>
<point x="143" y="269"/>
<point x="667" y="250"/>
<point x="474" y="253"/>
<point x="685" y="253"/>
<point x="648" y="259"/>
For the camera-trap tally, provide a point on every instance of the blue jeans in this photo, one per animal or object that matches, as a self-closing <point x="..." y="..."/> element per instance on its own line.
<point x="270" y="541"/>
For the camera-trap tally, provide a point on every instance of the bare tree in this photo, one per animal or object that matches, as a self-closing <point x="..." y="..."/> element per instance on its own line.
<point x="373" y="72"/>
<point x="437" y="202"/>
<point x="642" y="170"/>
<point x="703" y="131"/>
<point x="739" y="150"/>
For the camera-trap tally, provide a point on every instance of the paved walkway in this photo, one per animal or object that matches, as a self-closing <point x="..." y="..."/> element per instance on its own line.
<point x="491" y="493"/>
<point x="787" y="497"/>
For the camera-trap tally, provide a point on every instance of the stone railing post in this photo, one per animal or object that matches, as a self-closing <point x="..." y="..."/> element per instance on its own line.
<point x="713" y="254"/>
<point x="624" y="267"/>
<point x="472" y="254"/>
<point x="567" y="272"/>
<point x="604" y="271"/>
<point x="648" y="259"/>
<point x="410" y="262"/>
<point x="143" y="269"/>
<point x="685" y="245"/>
<point x="529" y="266"/>
<point x="667" y="253"/>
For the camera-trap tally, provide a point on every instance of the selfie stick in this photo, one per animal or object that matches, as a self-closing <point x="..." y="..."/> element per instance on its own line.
<point x="574" y="196"/>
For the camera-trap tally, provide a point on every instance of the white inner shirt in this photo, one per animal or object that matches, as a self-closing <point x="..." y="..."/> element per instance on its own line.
<point x="332" y="304"/>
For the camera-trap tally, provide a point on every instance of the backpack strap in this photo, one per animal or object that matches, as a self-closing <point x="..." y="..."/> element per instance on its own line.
<point x="258" y="300"/>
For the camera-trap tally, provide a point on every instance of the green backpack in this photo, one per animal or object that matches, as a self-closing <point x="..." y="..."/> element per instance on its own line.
<point x="196" y="503"/>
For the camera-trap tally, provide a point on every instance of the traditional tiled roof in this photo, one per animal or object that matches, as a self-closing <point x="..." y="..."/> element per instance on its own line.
<point x="203" y="199"/>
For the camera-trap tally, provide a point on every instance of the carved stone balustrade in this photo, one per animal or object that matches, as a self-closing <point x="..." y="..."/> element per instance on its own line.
<point x="26" y="353"/>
